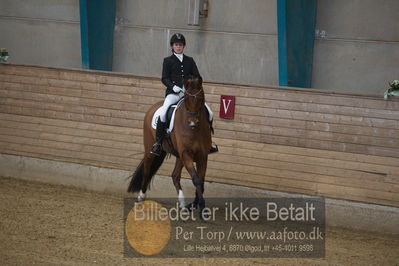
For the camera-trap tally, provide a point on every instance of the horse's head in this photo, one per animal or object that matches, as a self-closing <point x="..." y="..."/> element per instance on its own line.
<point x="194" y="99"/>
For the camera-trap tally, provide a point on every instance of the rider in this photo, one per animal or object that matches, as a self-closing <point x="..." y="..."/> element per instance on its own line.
<point x="174" y="69"/>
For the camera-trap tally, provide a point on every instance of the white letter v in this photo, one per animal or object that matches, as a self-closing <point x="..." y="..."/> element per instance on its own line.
<point x="224" y="105"/>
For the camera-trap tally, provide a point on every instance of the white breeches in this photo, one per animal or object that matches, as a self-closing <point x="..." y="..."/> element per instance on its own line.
<point x="170" y="99"/>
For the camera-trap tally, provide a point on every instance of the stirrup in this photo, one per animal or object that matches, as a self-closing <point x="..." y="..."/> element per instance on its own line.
<point x="214" y="149"/>
<point x="156" y="149"/>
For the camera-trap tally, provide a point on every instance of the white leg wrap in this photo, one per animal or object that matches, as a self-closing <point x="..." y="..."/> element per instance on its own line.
<point x="141" y="196"/>
<point x="181" y="199"/>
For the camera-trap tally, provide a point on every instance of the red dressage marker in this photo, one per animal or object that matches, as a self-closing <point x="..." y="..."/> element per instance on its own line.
<point x="227" y="106"/>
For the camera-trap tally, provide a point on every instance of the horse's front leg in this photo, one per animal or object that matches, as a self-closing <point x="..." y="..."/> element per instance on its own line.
<point x="176" y="176"/>
<point x="201" y="169"/>
<point x="197" y="180"/>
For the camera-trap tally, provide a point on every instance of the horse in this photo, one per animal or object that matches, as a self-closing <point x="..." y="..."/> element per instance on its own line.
<point x="190" y="142"/>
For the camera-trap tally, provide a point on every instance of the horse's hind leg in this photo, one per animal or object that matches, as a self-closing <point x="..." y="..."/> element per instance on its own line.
<point x="176" y="176"/>
<point x="146" y="177"/>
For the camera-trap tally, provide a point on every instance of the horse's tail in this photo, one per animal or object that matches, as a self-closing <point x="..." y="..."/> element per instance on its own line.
<point x="137" y="177"/>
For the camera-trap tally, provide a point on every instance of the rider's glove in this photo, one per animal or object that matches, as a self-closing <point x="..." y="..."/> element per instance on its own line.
<point x="177" y="89"/>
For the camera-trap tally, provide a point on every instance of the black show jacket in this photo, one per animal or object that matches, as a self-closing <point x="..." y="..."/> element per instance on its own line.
<point x="174" y="71"/>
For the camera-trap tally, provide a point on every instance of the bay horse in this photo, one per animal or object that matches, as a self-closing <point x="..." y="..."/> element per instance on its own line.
<point x="191" y="141"/>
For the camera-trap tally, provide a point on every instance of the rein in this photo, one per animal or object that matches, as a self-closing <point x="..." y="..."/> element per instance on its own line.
<point x="193" y="95"/>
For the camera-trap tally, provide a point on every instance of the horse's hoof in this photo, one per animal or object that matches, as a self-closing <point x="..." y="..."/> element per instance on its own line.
<point x="201" y="216"/>
<point x="140" y="196"/>
<point x="191" y="207"/>
<point x="140" y="199"/>
<point x="184" y="210"/>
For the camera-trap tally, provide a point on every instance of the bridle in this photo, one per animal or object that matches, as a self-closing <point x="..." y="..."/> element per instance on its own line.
<point x="195" y="95"/>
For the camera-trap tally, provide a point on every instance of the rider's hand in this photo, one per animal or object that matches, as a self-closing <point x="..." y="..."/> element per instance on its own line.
<point x="177" y="89"/>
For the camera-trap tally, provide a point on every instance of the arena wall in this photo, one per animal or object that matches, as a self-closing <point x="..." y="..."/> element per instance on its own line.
<point x="324" y="143"/>
<point x="356" y="47"/>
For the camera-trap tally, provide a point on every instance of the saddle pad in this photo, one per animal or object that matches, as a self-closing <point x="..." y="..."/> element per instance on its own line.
<point x="172" y="119"/>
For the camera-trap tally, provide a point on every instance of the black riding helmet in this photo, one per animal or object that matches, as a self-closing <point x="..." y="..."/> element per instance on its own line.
<point x="177" y="38"/>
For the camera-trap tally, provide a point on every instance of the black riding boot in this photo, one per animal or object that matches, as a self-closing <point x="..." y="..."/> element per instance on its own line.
<point x="159" y="134"/>
<point x="213" y="149"/>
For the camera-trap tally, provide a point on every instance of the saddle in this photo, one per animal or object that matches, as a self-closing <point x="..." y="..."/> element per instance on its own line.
<point x="170" y="116"/>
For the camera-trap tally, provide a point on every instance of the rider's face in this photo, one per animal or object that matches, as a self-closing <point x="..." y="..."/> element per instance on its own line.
<point x="178" y="48"/>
